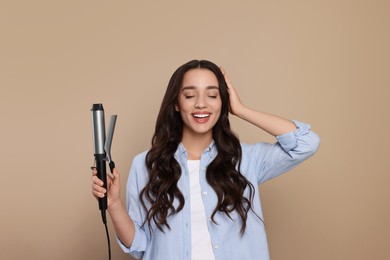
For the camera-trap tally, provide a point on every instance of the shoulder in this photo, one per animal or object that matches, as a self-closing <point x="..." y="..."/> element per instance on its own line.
<point x="138" y="164"/>
<point x="138" y="172"/>
<point x="140" y="158"/>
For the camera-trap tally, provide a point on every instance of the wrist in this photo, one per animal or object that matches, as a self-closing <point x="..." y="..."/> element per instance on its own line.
<point x="240" y="111"/>
<point x="114" y="205"/>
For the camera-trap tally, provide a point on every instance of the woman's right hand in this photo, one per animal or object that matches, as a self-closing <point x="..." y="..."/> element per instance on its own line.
<point x="113" y="185"/>
<point x="123" y="224"/>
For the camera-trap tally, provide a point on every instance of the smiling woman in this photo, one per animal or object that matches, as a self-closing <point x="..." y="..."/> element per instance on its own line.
<point x="195" y="194"/>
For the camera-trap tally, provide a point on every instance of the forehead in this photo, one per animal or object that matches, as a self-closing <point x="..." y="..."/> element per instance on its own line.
<point x="199" y="78"/>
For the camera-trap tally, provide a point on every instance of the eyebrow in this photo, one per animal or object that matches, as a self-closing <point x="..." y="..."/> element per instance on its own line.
<point x="193" y="87"/>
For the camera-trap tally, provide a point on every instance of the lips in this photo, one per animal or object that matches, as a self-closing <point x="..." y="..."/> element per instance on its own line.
<point x="201" y="117"/>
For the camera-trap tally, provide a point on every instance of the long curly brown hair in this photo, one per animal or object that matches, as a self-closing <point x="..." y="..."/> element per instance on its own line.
<point x="223" y="173"/>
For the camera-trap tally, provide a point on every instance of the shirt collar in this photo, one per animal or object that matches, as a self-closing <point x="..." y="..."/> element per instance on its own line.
<point x="211" y="149"/>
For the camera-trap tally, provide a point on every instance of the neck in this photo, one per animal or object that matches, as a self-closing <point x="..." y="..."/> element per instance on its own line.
<point x="196" y="144"/>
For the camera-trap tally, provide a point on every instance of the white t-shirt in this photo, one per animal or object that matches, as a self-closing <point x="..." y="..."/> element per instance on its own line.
<point x="200" y="237"/>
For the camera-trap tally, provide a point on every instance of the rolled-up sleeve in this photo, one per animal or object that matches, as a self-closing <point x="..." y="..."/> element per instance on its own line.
<point x="292" y="148"/>
<point x="302" y="139"/>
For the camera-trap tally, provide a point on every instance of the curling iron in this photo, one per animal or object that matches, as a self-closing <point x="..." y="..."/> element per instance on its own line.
<point x="102" y="149"/>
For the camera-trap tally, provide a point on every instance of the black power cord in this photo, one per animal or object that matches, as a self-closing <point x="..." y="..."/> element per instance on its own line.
<point x="107" y="234"/>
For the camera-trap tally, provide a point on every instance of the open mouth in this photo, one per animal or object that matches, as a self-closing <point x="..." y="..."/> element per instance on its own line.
<point x="201" y="115"/>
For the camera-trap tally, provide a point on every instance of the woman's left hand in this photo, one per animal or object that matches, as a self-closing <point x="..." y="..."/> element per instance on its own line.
<point x="235" y="103"/>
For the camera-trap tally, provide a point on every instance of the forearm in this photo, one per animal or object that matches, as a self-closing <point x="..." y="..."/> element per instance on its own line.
<point x="272" y="124"/>
<point x="123" y="225"/>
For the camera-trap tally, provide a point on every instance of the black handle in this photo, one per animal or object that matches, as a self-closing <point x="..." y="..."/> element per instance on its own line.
<point x="102" y="175"/>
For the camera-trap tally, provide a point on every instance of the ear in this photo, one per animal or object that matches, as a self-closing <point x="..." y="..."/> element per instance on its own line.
<point x="177" y="108"/>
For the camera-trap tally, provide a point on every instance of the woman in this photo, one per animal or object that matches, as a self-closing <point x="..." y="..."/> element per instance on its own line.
<point x="195" y="194"/>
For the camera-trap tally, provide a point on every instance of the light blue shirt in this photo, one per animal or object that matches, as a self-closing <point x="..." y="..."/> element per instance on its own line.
<point x="260" y="162"/>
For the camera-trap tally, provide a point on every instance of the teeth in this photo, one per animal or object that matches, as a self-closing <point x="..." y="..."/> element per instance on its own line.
<point x="201" y="115"/>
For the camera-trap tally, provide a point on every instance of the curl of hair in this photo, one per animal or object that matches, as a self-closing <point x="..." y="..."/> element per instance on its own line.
<point x="222" y="174"/>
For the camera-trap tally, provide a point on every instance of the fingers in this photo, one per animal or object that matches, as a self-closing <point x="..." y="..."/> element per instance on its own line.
<point x="94" y="174"/>
<point x="224" y="74"/>
<point x="115" y="173"/>
<point x="96" y="180"/>
<point x="228" y="82"/>
<point x="98" y="191"/>
<point x="97" y="185"/>
<point x="235" y="104"/>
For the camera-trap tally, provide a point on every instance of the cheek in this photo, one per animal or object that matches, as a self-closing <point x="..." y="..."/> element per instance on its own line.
<point x="218" y="105"/>
<point x="180" y="105"/>
<point x="218" y="114"/>
<point x="217" y="108"/>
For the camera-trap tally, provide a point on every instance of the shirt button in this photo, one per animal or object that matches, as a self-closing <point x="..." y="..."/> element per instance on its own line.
<point x="216" y="246"/>
<point x="204" y="193"/>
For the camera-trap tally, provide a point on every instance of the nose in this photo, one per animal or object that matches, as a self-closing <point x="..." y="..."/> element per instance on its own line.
<point x="200" y="102"/>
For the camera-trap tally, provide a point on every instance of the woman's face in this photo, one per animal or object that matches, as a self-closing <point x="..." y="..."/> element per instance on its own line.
<point x="199" y="102"/>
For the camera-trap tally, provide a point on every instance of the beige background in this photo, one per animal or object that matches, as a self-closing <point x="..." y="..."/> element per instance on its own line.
<point x="322" y="62"/>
